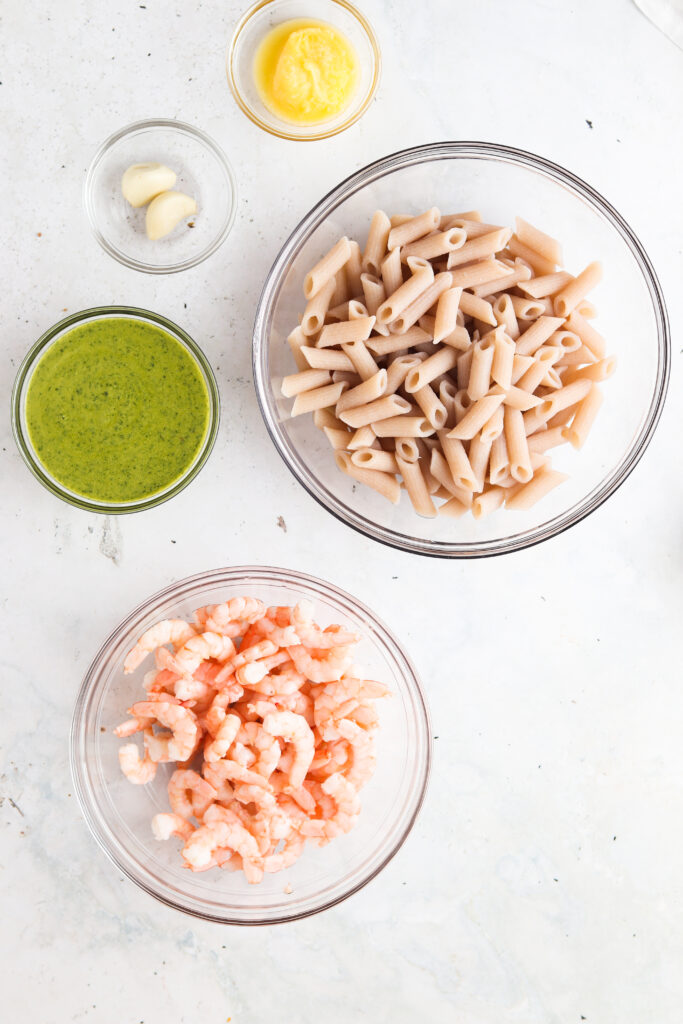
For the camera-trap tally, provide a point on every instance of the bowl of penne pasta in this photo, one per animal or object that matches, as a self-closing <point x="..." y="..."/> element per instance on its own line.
<point x="462" y="350"/>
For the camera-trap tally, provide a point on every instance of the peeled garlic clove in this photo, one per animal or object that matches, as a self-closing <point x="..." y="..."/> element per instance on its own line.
<point x="167" y="210"/>
<point x="142" y="182"/>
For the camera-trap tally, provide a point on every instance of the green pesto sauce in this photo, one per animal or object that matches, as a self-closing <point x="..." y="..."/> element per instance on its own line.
<point x="117" y="410"/>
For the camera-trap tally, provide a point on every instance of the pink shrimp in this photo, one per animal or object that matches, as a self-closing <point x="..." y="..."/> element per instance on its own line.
<point x="265" y="746"/>
<point x="345" y="796"/>
<point x="166" y="825"/>
<point x="362" y="756"/>
<point x="201" y="794"/>
<point x="200" y="648"/>
<point x="290" y="853"/>
<point x="293" y="729"/>
<point x="169" y="631"/>
<point x="164" y="680"/>
<point x="200" y="847"/>
<point x="236" y="772"/>
<point x="312" y="635"/>
<point x="324" y="669"/>
<point x="262" y="649"/>
<point x="246" y="794"/>
<point x="242" y="609"/>
<point x="216" y="777"/>
<point x="182" y="723"/>
<point x="224" y="738"/>
<point x="137" y="770"/>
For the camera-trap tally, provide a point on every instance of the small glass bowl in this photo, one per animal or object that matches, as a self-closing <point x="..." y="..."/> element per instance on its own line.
<point x="119" y="813"/>
<point x="203" y="172"/>
<point x="20" y="391"/>
<point x="501" y="182"/>
<point x="259" y="20"/>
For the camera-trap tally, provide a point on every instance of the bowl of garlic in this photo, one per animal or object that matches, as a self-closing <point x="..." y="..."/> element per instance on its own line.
<point x="160" y="196"/>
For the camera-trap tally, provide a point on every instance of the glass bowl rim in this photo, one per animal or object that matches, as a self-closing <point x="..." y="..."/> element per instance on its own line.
<point x="31" y="361"/>
<point x="185" y="129"/>
<point x="426" y="154"/>
<point x="107" y="841"/>
<point x="319" y="131"/>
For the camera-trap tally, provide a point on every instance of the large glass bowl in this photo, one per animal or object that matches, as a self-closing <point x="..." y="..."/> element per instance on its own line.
<point x="119" y="813"/>
<point x="501" y="182"/>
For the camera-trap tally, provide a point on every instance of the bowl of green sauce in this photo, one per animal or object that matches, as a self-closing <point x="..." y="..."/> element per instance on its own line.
<point x="115" y="409"/>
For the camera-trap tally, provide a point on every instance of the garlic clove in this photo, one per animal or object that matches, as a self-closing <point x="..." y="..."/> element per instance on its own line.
<point x="167" y="210"/>
<point x="142" y="182"/>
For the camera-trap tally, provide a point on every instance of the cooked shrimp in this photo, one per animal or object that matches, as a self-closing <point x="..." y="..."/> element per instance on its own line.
<point x="243" y="609"/>
<point x="238" y="773"/>
<point x="290" y="852"/>
<point x="199" y="849"/>
<point x="345" y="795"/>
<point x="321" y="670"/>
<point x="295" y="730"/>
<point x="166" y="825"/>
<point x="312" y="635"/>
<point x="137" y="770"/>
<point x="169" y="631"/>
<point x="246" y="794"/>
<point x="224" y="738"/>
<point x="216" y="777"/>
<point x="362" y="756"/>
<point x="200" y="648"/>
<point x="189" y="794"/>
<point x="181" y="721"/>
<point x="265" y="746"/>
<point x="263" y="649"/>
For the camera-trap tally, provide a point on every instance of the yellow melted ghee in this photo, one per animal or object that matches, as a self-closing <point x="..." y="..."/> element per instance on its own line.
<point x="305" y="71"/>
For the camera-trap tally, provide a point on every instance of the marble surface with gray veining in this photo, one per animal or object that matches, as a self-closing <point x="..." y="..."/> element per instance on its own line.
<point x="541" y="883"/>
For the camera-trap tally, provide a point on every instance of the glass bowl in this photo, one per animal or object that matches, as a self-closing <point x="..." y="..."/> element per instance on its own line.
<point x="203" y="172"/>
<point x="20" y="391"/>
<point x="501" y="182"/>
<point x="259" y="20"/>
<point x="119" y="814"/>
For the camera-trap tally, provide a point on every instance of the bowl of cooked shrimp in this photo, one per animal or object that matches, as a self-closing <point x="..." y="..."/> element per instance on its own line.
<point x="251" y="745"/>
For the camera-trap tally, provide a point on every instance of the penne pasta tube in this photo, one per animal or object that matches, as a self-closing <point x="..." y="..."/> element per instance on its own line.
<point x="305" y="380"/>
<point x="350" y="377"/>
<point x="459" y="338"/>
<point x="457" y="461"/>
<point x="537" y="334"/>
<point x="548" y="284"/>
<point x="518" y="449"/>
<point x="448" y="219"/>
<point x="325" y="358"/>
<point x="340" y="294"/>
<point x="384" y="483"/>
<point x="453" y="507"/>
<point x="527" y="309"/>
<point x="493" y="427"/>
<point x="403" y="427"/>
<point x="337" y="438"/>
<point x="543" y="482"/>
<point x="586" y="309"/>
<point x="480" y="367"/>
<point x="364" y="437"/>
<point x="517" y="398"/>
<point x="372" y="458"/>
<point x="464" y="365"/>
<point x="326" y="418"/>
<point x="534" y="421"/>
<point x="359" y="355"/>
<point x="479" y="454"/>
<point x="397" y="342"/>
<point x="569" y="297"/>
<point x="473" y="229"/>
<point x="442" y="361"/>
<point x="447" y="392"/>
<point x="561" y="418"/>
<point x="499" y="463"/>
<point x="400" y="218"/>
<point x="504" y="312"/>
<point x="552" y="379"/>
<point x="536" y="372"/>
<point x="546" y="246"/>
<point x="478" y="273"/>
<point x="437" y="244"/>
<point x="477" y="415"/>
<point x="414" y="228"/>
<point x="325" y="269"/>
<point x="314" y="314"/>
<point x="500" y="284"/>
<point x="373" y="292"/>
<point x="520" y="364"/>
<point x="445" y="321"/>
<point x="416" y="487"/>
<point x="367" y="391"/>
<point x="412" y="313"/>
<point x="566" y="340"/>
<point x="546" y="439"/>
<point x="595" y="371"/>
<point x="586" y="412"/>
<point x="589" y="336"/>
<point x="421" y="277"/>
<point x="346" y="333"/>
<point x="478" y="308"/>
<point x="390" y="406"/>
<point x="398" y="371"/>
<point x="539" y="264"/>
<point x="391" y="272"/>
<point x="376" y="245"/>
<point x="353" y="269"/>
<point x="320" y="398"/>
<point x="296" y="341"/>
<point x="407" y="448"/>
<point x="578" y="357"/>
<point x="565" y="398"/>
<point x="478" y="248"/>
<point x="503" y="358"/>
<point x="486" y="503"/>
<point x="431" y="406"/>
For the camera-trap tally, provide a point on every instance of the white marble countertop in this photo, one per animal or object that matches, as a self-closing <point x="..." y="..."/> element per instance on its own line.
<point x="541" y="883"/>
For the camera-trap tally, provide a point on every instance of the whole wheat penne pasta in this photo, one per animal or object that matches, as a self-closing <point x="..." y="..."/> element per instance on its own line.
<point x="373" y="292"/>
<point x="518" y="449"/>
<point x="464" y="366"/>
<point x="503" y="357"/>
<point x="479" y="455"/>
<point x="578" y="357"/>
<point x="504" y="312"/>
<point x="338" y="439"/>
<point x="305" y="380"/>
<point x="364" y="437"/>
<point x="361" y="358"/>
<point x="586" y="309"/>
<point x="487" y="502"/>
<point x="595" y="371"/>
<point x="320" y="398"/>
<point x="386" y="346"/>
<point x="326" y="358"/>
<point x="416" y="487"/>
<point x="357" y="310"/>
<point x="421" y="277"/>
<point x="376" y="245"/>
<point x="349" y="377"/>
<point x="403" y="427"/>
<point x="477" y="248"/>
<point x="482" y="310"/>
<point x="551" y="379"/>
<point x="431" y="482"/>
<point x="353" y="269"/>
<point x="520" y="364"/>
<point x="431" y="406"/>
<point x="474" y="229"/>
<point x="414" y="228"/>
<point x="296" y="341"/>
<point x="325" y="269"/>
<point x="314" y="314"/>
<point x="517" y="398"/>
<point x="391" y="271"/>
<point x="434" y="245"/>
<point x="589" y="336"/>
<point x="341" y="292"/>
<point x="371" y="458"/>
<point x="534" y="421"/>
<point x="543" y="482"/>
<point x="445" y="321"/>
<point x="539" y="264"/>
<point x="368" y="390"/>
<point x="569" y="297"/>
<point x="566" y="340"/>
<point x="453" y="508"/>
<point x="457" y="461"/>
<point x="535" y="374"/>
<point x="427" y="323"/>
<point x="397" y="219"/>
<point x="546" y="439"/>
<point x="345" y="333"/>
<point x="381" y="409"/>
<point x="493" y="427"/>
<point x="384" y="483"/>
<point x="326" y="418"/>
<point x="412" y="313"/>
<point x="477" y="415"/>
<point x="480" y="367"/>
<point x="407" y="448"/>
<point x="398" y="370"/>
<point x="562" y="418"/>
<point x="565" y="397"/>
<point x="477" y="273"/>
<point x="545" y="245"/>
<point x="442" y="361"/>
<point x="500" y="284"/>
<point x="499" y="463"/>
<point x="586" y="412"/>
<point x="447" y="392"/>
<point x="459" y="338"/>
<point x="527" y="309"/>
<point x="440" y="469"/>
<point x="548" y="284"/>
<point x="448" y="219"/>
<point x="337" y="313"/>
<point x="537" y="334"/>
